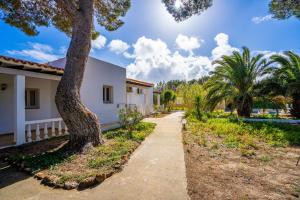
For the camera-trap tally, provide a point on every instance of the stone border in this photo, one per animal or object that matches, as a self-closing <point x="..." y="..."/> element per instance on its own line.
<point x="52" y="181"/>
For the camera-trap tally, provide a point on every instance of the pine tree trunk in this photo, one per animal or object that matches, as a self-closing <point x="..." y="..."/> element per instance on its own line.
<point x="83" y="125"/>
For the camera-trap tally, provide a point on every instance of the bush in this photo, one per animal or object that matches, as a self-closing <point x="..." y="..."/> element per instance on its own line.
<point x="168" y="96"/>
<point x="129" y="117"/>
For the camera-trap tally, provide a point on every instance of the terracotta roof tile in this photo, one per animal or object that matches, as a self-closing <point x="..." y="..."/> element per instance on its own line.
<point x="137" y="82"/>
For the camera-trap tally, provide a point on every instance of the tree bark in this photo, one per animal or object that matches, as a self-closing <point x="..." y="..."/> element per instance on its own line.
<point x="295" y="110"/>
<point x="83" y="125"/>
<point x="244" y="107"/>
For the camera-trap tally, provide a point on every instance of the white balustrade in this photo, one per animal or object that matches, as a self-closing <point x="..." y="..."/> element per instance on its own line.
<point x="29" y="133"/>
<point x="37" y="132"/>
<point x="53" y="129"/>
<point x="34" y="126"/>
<point x="66" y="130"/>
<point x="59" y="128"/>
<point x="46" y="131"/>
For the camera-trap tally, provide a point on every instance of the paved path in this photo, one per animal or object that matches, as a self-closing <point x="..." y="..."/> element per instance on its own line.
<point x="155" y="171"/>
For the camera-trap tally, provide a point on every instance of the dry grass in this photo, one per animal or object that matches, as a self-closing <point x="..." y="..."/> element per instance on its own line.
<point x="235" y="163"/>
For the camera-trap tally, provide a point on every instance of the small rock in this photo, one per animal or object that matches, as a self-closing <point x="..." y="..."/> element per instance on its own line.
<point x="69" y="185"/>
<point x="117" y="166"/>
<point x="109" y="174"/>
<point x="46" y="180"/>
<point x="100" y="178"/>
<point x="40" y="175"/>
<point x="87" y="183"/>
<point x="50" y="180"/>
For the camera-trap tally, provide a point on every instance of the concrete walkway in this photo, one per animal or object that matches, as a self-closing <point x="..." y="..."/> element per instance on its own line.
<point x="155" y="171"/>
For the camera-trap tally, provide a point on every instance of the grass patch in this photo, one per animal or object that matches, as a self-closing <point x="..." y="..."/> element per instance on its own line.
<point x="237" y="134"/>
<point x="106" y="158"/>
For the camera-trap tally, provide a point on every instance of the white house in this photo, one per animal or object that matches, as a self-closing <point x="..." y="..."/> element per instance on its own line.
<point x="27" y="90"/>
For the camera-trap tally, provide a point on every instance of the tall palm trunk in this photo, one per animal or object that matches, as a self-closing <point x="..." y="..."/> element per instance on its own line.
<point x="244" y="107"/>
<point x="295" y="111"/>
<point x="83" y="125"/>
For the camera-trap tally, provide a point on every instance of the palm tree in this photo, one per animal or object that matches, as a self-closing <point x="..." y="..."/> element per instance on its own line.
<point x="234" y="80"/>
<point x="288" y="71"/>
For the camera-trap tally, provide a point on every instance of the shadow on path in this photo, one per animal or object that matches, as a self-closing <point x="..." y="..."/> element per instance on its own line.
<point x="10" y="175"/>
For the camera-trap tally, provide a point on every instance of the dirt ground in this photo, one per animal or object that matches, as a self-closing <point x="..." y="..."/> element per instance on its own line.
<point x="35" y="148"/>
<point x="223" y="173"/>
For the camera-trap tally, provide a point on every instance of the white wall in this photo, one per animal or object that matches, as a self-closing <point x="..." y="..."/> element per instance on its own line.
<point x="144" y="101"/>
<point x="47" y="89"/>
<point x="97" y="74"/>
<point x="47" y="109"/>
<point x="6" y="104"/>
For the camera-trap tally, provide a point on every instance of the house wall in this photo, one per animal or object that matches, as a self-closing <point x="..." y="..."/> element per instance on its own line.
<point x="144" y="101"/>
<point x="97" y="74"/>
<point x="47" y="109"/>
<point x="47" y="90"/>
<point x="6" y="104"/>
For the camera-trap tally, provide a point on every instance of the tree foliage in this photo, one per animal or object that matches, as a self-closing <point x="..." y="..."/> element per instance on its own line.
<point x="174" y="84"/>
<point x="183" y="9"/>
<point x="284" y="9"/>
<point x="188" y="94"/>
<point x="288" y="72"/>
<point x="28" y="15"/>
<point x="234" y="80"/>
<point x="168" y="96"/>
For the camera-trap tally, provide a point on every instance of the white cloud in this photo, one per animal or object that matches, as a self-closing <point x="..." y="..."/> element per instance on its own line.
<point x="223" y="46"/>
<point x="128" y="55"/>
<point x="260" y="19"/>
<point x="118" y="46"/>
<point x="155" y="62"/>
<point x="37" y="51"/>
<point x="268" y="54"/>
<point x="188" y="43"/>
<point x="63" y="50"/>
<point x="41" y="47"/>
<point x="99" y="42"/>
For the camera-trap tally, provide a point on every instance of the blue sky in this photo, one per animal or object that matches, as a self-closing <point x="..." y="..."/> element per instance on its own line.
<point x="154" y="47"/>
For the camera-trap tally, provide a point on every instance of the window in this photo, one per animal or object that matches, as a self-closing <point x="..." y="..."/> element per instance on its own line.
<point x="139" y="91"/>
<point x="107" y="94"/>
<point x="129" y="89"/>
<point x="32" y="98"/>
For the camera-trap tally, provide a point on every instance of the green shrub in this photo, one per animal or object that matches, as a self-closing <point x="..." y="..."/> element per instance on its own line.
<point x="129" y="117"/>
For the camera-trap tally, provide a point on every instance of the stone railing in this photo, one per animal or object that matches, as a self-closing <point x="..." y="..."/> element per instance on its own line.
<point x="44" y="129"/>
